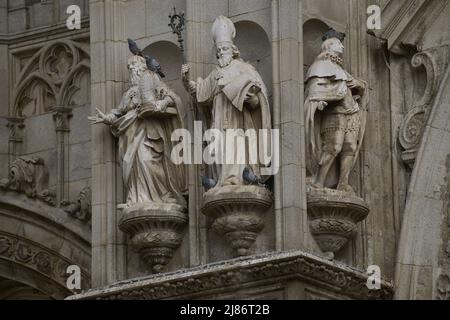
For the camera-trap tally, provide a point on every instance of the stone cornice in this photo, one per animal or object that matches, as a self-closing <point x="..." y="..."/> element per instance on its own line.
<point x="401" y="18"/>
<point x="46" y="33"/>
<point x="243" y="273"/>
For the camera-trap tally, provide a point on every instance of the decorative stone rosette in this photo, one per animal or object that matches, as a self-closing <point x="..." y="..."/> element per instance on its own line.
<point x="333" y="216"/>
<point x="237" y="213"/>
<point x="155" y="230"/>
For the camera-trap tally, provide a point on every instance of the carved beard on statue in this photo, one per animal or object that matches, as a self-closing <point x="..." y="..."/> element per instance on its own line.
<point x="225" y="59"/>
<point x="135" y="75"/>
<point x="136" y="67"/>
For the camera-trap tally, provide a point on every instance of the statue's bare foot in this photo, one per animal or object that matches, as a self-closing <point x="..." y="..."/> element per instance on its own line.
<point x="316" y="185"/>
<point x="169" y="198"/>
<point x="345" y="187"/>
<point x="231" y="182"/>
<point x="123" y="206"/>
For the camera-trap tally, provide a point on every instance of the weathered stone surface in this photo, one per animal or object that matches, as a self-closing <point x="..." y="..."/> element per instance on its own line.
<point x="254" y="271"/>
<point x="402" y="169"/>
<point x="237" y="213"/>
<point x="155" y="230"/>
<point x="333" y="216"/>
<point x="39" y="242"/>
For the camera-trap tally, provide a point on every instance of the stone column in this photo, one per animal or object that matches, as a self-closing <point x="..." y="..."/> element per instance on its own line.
<point x="199" y="17"/>
<point x="197" y="227"/>
<point x="4" y="59"/>
<point x="19" y="16"/>
<point x="108" y="54"/>
<point x="61" y="116"/>
<point x="290" y="185"/>
<point x="15" y="126"/>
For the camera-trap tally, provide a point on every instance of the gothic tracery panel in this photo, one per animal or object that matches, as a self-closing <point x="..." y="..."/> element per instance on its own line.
<point x="56" y="75"/>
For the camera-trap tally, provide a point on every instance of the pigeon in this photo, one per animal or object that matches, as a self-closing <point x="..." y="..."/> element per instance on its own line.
<point x="251" y="178"/>
<point x="208" y="183"/>
<point x="134" y="48"/>
<point x="154" y="66"/>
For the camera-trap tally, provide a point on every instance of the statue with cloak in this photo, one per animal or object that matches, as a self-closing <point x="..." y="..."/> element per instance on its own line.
<point x="335" y="118"/>
<point x="143" y="123"/>
<point x="233" y="97"/>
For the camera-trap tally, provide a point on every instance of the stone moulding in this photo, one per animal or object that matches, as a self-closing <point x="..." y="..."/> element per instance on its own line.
<point x="33" y="256"/>
<point x="333" y="216"/>
<point x="238" y="214"/>
<point x="244" y="272"/>
<point x="413" y="125"/>
<point x="38" y="242"/>
<point x="155" y="230"/>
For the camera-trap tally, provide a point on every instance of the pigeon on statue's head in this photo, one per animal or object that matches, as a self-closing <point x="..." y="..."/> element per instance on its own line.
<point x="152" y="64"/>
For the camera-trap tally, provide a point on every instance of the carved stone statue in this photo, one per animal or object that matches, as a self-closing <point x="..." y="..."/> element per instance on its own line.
<point x="155" y="209"/>
<point x="335" y="117"/>
<point x="143" y="122"/>
<point x="234" y="95"/>
<point x="335" y="123"/>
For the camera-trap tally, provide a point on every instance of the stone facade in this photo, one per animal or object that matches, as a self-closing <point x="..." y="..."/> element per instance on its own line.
<point x="62" y="179"/>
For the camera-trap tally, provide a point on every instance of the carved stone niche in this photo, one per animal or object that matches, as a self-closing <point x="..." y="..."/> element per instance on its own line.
<point x="238" y="213"/>
<point x="155" y="230"/>
<point x="333" y="216"/>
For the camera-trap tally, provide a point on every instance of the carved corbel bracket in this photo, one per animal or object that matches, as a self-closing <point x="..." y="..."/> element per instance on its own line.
<point x="16" y="134"/>
<point x="155" y="231"/>
<point x="412" y="126"/>
<point x="16" y="126"/>
<point x="238" y="214"/>
<point x="333" y="216"/>
<point x="410" y="134"/>
<point x="81" y="208"/>
<point x="62" y="116"/>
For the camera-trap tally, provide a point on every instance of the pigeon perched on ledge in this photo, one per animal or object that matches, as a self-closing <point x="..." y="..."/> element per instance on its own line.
<point x="251" y="178"/>
<point x="208" y="183"/>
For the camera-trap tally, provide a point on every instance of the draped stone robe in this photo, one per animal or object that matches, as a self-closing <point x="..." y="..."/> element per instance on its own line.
<point x="145" y="145"/>
<point x="224" y="92"/>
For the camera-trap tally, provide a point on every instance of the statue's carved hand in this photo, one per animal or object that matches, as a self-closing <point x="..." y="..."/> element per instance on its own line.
<point x="185" y="70"/>
<point x="192" y="88"/>
<point x="252" y="96"/>
<point x="322" y="105"/>
<point x="100" y="117"/>
<point x="252" y="99"/>
<point x="161" y="105"/>
<point x="189" y="85"/>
